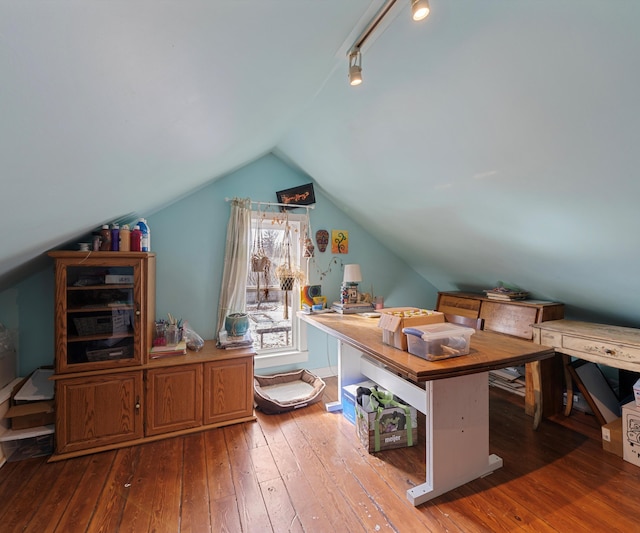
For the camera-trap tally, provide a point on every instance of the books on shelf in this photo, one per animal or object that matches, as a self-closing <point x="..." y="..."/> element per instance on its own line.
<point x="168" y="351"/>
<point x="118" y="279"/>
<point x="351" y="308"/>
<point x="506" y="294"/>
<point x="228" y="342"/>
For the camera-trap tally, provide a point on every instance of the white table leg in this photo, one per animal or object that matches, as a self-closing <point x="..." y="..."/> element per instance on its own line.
<point x="457" y="435"/>
<point x="348" y="367"/>
<point x="457" y="421"/>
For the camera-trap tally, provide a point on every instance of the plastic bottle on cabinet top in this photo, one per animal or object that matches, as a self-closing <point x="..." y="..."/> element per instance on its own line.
<point x="115" y="237"/>
<point x="145" y="244"/>
<point x="136" y="239"/>
<point x="125" y="238"/>
<point x="105" y="238"/>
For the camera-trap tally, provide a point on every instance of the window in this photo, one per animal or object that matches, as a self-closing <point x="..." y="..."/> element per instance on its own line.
<point x="272" y="311"/>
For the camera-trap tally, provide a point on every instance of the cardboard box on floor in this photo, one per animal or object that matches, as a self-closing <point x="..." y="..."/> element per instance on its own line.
<point x="631" y="433"/>
<point x="31" y="403"/>
<point x="391" y="322"/>
<point x="30" y="415"/>
<point x="612" y="437"/>
<point x="29" y="409"/>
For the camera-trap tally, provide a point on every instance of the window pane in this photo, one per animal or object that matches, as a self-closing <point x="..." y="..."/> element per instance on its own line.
<point x="272" y="311"/>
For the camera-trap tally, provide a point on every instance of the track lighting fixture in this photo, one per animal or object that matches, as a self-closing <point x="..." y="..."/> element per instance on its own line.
<point x="355" y="67"/>
<point x="419" y="9"/>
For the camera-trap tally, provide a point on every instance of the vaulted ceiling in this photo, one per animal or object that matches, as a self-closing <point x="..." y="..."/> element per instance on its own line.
<point x="494" y="140"/>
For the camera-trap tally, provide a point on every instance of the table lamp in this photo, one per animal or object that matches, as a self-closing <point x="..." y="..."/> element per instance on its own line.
<point x="349" y="288"/>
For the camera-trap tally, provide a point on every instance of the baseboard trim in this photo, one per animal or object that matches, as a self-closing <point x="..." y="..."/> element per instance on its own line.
<point x="260" y="362"/>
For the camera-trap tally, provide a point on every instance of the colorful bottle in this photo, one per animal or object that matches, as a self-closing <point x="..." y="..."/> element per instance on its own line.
<point x="136" y="239"/>
<point x="115" y="237"/>
<point x="125" y="238"/>
<point x="105" y="238"/>
<point x="145" y="245"/>
<point x="97" y="240"/>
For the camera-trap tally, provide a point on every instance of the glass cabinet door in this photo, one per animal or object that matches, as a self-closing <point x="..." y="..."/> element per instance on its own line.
<point x="100" y="316"/>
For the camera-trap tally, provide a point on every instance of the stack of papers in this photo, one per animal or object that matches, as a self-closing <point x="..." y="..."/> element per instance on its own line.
<point x="351" y="308"/>
<point x="38" y="387"/>
<point x="167" y="351"/>
<point x="511" y="379"/>
<point x="227" y="342"/>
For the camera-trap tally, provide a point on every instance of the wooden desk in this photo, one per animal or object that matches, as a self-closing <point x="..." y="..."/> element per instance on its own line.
<point x="614" y="346"/>
<point x="453" y="394"/>
<point x="516" y="318"/>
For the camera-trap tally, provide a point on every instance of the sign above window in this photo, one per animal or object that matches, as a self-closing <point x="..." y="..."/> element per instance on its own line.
<point x="297" y="196"/>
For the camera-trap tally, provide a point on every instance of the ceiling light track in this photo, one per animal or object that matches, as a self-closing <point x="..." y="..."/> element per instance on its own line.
<point x="373" y="24"/>
<point x="419" y="11"/>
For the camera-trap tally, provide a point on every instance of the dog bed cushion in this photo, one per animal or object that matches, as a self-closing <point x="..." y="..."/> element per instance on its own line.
<point x="285" y="392"/>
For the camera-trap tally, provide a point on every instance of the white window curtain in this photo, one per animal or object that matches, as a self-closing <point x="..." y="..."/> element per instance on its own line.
<point x="236" y="261"/>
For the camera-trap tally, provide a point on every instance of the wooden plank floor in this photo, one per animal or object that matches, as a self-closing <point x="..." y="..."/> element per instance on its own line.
<point x="306" y="471"/>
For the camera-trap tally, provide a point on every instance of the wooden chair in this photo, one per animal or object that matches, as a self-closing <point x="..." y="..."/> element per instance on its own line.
<point x="475" y="323"/>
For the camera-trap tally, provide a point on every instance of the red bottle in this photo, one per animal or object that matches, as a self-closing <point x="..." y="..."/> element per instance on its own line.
<point x="136" y="239"/>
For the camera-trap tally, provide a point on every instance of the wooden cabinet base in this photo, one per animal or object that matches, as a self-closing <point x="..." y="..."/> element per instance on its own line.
<point x="163" y="398"/>
<point x="111" y="392"/>
<point x="97" y="449"/>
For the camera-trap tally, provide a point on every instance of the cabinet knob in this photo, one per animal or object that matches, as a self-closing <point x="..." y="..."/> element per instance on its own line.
<point x="137" y="312"/>
<point x="137" y="403"/>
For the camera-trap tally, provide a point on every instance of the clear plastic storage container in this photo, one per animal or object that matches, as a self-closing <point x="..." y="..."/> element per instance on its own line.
<point x="438" y="341"/>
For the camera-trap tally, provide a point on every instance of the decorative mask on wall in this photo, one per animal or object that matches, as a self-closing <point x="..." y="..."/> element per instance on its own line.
<point x="322" y="239"/>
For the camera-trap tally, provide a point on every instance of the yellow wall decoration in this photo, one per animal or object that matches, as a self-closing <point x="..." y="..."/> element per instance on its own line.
<point x="339" y="241"/>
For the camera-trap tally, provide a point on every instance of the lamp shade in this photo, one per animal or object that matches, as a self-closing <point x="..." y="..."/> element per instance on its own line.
<point x="352" y="274"/>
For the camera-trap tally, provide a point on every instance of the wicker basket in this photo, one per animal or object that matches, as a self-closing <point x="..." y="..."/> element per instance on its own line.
<point x="286" y="284"/>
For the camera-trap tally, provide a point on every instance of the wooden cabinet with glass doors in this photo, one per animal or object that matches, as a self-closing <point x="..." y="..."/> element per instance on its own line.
<point x="104" y="310"/>
<point x="109" y="393"/>
<point x="104" y="317"/>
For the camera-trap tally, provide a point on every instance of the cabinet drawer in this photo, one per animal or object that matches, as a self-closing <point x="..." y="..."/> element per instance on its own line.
<point x="455" y="305"/>
<point x="599" y="349"/>
<point x="548" y="338"/>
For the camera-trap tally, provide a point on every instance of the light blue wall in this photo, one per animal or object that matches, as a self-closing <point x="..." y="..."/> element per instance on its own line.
<point x="27" y="308"/>
<point x="189" y="240"/>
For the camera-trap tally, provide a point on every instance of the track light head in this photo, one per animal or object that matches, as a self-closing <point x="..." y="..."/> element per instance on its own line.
<point x="355" y="67"/>
<point x="355" y="75"/>
<point x="419" y="9"/>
